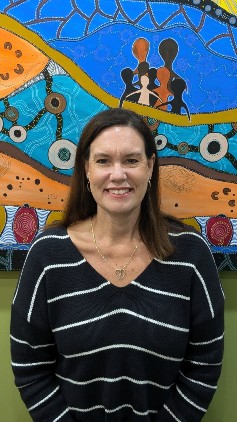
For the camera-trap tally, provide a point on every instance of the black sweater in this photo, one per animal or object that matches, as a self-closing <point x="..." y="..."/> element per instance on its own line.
<point x="86" y="350"/>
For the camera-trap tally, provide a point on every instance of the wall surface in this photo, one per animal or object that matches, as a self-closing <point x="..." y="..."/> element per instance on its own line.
<point x="223" y="407"/>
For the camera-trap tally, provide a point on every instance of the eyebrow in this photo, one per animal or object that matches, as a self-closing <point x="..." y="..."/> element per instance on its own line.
<point x="131" y="154"/>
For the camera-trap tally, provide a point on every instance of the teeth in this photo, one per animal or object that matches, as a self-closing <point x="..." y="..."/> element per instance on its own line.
<point x="118" y="191"/>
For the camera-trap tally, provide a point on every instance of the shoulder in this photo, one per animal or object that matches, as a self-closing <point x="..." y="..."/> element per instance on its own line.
<point x="47" y="239"/>
<point x="57" y="233"/>
<point x="188" y="242"/>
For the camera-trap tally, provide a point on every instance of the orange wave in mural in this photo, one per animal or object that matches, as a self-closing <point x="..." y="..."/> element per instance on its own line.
<point x="22" y="184"/>
<point x="20" y="61"/>
<point x="186" y="194"/>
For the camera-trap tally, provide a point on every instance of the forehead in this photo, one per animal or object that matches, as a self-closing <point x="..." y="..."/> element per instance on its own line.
<point x="119" y="138"/>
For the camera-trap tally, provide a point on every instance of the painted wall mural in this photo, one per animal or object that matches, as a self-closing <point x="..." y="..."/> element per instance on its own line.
<point x="173" y="62"/>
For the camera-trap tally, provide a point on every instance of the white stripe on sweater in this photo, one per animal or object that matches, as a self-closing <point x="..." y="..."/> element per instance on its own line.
<point x="123" y="346"/>
<point x="202" y="343"/>
<point x="80" y="292"/>
<point x="61" y="415"/>
<point x="187" y="264"/>
<point x="35" y="243"/>
<point x="49" y="267"/>
<point x="89" y="409"/>
<point x="17" y="340"/>
<point x="160" y="292"/>
<point x="44" y="399"/>
<point x="195" y="362"/>
<point x="34" y="363"/>
<point x="214" y="387"/>
<point x="206" y="243"/>
<point x="122" y="378"/>
<point x="116" y="312"/>
<point x="171" y="413"/>
<point x="190" y="401"/>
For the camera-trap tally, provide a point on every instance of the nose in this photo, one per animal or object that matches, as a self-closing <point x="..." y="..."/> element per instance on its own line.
<point x="118" y="173"/>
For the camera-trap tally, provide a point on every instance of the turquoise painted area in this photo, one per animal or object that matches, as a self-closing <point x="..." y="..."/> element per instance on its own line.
<point x="77" y="113"/>
<point x="31" y="100"/>
<point x="193" y="136"/>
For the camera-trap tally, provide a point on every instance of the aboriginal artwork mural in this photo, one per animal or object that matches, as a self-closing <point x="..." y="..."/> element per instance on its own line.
<point x="172" y="62"/>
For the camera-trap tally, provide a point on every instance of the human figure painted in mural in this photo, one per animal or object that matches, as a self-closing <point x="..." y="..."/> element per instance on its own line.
<point x="163" y="76"/>
<point x="142" y="69"/>
<point x="145" y="95"/>
<point x="140" y="50"/>
<point x="152" y="75"/>
<point x="127" y="76"/>
<point x="168" y="50"/>
<point x="177" y="86"/>
<point x="142" y="94"/>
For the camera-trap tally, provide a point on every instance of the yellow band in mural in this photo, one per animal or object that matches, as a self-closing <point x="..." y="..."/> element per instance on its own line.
<point x="229" y="5"/>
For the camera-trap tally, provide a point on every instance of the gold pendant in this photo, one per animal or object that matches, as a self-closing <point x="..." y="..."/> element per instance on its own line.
<point x="120" y="273"/>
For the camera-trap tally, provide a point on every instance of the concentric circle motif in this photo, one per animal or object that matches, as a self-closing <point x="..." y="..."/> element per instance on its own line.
<point x="234" y="125"/>
<point x="183" y="148"/>
<point x="25" y="224"/>
<point x="62" y="154"/>
<point x="219" y="231"/>
<point x="55" y="103"/>
<point x="232" y="20"/>
<point x="161" y="142"/>
<point x="213" y="146"/>
<point x="218" y="12"/>
<point x="11" y="114"/>
<point x="17" y="133"/>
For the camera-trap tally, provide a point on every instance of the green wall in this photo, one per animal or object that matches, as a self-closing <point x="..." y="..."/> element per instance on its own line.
<point x="223" y="407"/>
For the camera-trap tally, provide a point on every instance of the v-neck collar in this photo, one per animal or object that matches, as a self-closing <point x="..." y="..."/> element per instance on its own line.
<point x="140" y="278"/>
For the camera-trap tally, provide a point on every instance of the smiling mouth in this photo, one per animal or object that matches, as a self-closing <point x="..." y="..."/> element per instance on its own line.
<point x="119" y="191"/>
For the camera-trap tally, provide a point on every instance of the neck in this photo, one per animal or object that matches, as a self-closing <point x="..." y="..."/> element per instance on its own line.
<point x="121" y="228"/>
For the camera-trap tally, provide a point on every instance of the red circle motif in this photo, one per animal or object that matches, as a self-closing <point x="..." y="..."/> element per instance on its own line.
<point x="219" y="231"/>
<point x="25" y="224"/>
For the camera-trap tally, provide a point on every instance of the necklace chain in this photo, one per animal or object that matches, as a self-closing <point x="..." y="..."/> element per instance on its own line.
<point x="119" y="272"/>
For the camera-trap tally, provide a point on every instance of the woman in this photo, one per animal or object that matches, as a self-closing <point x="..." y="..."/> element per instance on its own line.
<point x="118" y="314"/>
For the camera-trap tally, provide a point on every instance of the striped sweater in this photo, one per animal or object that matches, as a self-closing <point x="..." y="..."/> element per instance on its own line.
<point x="86" y="350"/>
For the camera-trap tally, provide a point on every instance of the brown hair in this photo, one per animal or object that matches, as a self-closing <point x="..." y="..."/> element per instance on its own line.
<point x="153" y="224"/>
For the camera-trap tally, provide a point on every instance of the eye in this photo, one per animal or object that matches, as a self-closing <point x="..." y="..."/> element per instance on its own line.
<point x="131" y="161"/>
<point x="102" y="161"/>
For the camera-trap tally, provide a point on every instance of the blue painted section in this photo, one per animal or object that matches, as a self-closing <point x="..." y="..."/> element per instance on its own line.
<point x="31" y="100"/>
<point x="194" y="63"/>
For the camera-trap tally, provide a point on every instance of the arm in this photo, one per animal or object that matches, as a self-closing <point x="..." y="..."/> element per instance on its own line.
<point x="33" y="348"/>
<point x="190" y="397"/>
<point x="163" y="104"/>
<point x="187" y="110"/>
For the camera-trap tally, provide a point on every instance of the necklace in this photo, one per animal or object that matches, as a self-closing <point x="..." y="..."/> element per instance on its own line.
<point x="119" y="272"/>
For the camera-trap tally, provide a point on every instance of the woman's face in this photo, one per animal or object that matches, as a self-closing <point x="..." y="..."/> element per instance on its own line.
<point x="118" y="170"/>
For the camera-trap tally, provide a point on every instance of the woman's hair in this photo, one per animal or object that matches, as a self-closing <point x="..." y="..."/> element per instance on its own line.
<point x="153" y="224"/>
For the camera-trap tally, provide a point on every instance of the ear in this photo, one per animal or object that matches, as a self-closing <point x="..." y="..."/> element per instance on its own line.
<point x="87" y="169"/>
<point x="150" y="164"/>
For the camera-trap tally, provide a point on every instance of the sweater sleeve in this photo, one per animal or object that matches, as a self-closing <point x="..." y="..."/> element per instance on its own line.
<point x="33" y="348"/>
<point x="191" y="395"/>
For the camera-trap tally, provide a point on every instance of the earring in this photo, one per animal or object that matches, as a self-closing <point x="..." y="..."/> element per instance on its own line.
<point x="149" y="185"/>
<point x="88" y="186"/>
